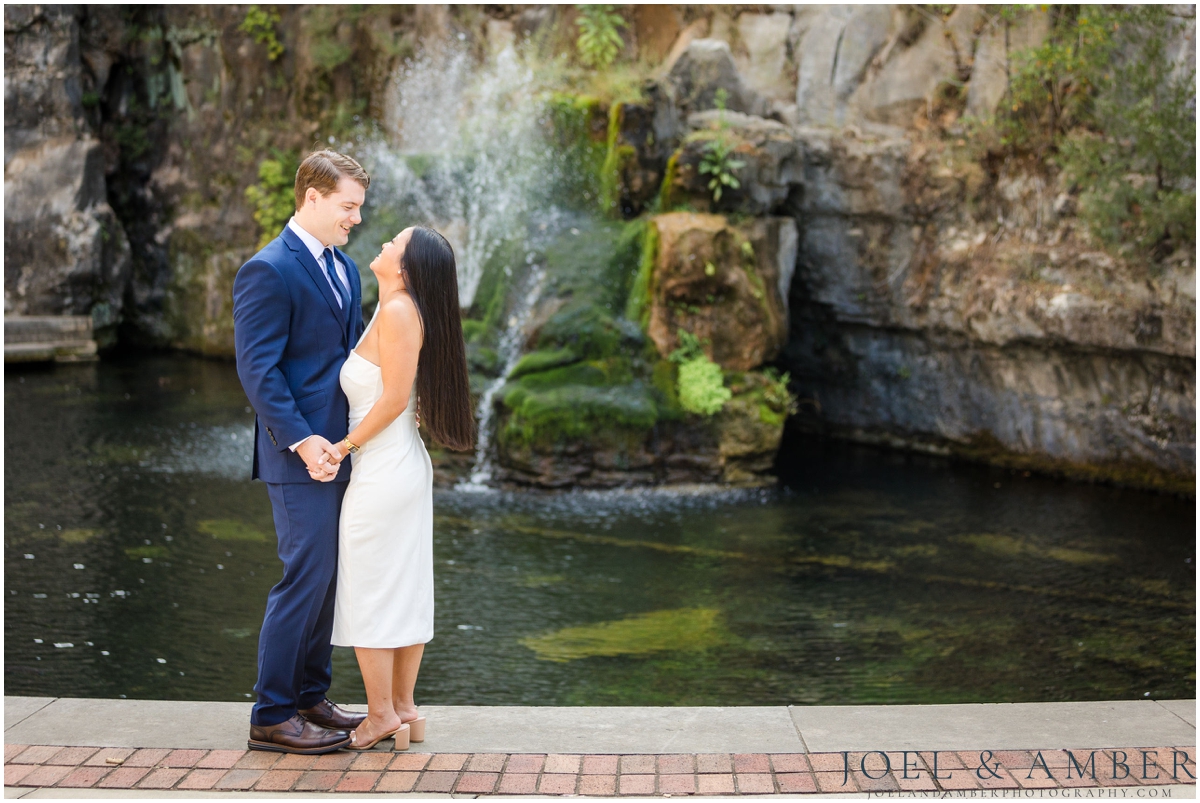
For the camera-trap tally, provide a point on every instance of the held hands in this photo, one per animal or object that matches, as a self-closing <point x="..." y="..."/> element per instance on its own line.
<point x="322" y="458"/>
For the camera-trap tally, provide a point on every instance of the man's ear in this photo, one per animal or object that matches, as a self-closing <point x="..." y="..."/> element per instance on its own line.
<point x="311" y="195"/>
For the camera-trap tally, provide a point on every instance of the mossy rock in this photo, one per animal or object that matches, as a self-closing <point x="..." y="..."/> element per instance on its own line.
<point x="472" y="329"/>
<point x="750" y="428"/>
<point x="482" y="359"/>
<point x="589" y="331"/>
<point x="719" y="280"/>
<point x="578" y="124"/>
<point x="536" y="361"/>
<point x="634" y="160"/>
<point x="595" y="263"/>
<point x="482" y="322"/>
<point x="198" y="307"/>
<point x="591" y="413"/>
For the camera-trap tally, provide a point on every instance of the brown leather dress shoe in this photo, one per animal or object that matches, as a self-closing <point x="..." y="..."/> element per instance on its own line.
<point x="330" y="715"/>
<point x="297" y="735"/>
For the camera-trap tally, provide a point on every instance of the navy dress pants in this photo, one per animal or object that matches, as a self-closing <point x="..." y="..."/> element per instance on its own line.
<point x="295" y="655"/>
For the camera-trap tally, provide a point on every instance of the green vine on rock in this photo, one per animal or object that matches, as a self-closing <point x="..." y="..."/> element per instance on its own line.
<point x="701" y="383"/>
<point x="598" y="42"/>
<point x="260" y="23"/>
<point x="273" y="198"/>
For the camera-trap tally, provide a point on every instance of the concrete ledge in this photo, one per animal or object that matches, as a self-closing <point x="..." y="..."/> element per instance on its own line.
<point x="995" y="726"/>
<point x="606" y="730"/>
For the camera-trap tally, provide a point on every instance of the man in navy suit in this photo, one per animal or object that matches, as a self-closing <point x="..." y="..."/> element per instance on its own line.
<point x="297" y="312"/>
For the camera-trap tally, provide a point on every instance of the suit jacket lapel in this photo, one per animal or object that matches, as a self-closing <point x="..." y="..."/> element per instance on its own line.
<point x="305" y="258"/>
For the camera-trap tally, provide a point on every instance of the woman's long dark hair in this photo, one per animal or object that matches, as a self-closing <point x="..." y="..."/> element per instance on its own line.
<point x="442" y="383"/>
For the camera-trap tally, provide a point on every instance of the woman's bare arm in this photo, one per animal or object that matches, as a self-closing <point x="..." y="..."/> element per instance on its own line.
<point x="399" y="327"/>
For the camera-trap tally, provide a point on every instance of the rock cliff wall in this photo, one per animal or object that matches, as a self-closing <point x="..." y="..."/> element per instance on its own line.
<point x="939" y="302"/>
<point x="131" y="134"/>
<point x="934" y="302"/>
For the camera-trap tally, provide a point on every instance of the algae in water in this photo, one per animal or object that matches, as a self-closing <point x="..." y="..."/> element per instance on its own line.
<point x="682" y="629"/>
<point x="230" y="530"/>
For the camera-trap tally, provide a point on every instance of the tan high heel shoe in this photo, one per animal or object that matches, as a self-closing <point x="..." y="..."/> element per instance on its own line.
<point x="354" y="745"/>
<point x="417" y="729"/>
<point x="402" y="738"/>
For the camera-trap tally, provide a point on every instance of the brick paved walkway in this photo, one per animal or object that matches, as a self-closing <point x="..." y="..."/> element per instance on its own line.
<point x="592" y="775"/>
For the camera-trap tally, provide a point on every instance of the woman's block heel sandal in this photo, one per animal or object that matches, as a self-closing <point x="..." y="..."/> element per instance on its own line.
<point x="402" y="738"/>
<point x="417" y="729"/>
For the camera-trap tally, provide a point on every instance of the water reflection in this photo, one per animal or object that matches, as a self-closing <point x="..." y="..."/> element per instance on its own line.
<point x="138" y="558"/>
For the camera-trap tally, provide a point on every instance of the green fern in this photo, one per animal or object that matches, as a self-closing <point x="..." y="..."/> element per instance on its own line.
<point x="599" y="43"/>
<point x="701" y="385"/>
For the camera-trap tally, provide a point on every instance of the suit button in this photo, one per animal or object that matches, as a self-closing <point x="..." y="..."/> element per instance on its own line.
<point x="272" y="435"/>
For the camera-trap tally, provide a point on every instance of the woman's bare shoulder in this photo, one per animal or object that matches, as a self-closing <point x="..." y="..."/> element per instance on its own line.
<point x="400" y="314"/>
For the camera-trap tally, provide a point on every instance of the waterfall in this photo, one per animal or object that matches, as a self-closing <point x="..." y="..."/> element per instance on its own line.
<point x="464" y="150"/>
<point x="509" y="352"/>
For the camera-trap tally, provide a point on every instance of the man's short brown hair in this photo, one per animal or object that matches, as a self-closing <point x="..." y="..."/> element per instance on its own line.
<point x="322" y="170"/>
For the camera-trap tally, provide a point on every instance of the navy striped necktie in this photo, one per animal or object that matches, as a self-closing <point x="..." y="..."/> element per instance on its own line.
<point x="331" y="271"/>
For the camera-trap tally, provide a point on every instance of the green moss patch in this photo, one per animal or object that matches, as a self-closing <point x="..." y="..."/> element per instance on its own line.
<point x="536" y="361"/>
<point x="578" y="136"/>
<point x="595" y="263"/>
<point x="482" y="359"/>
<point x="587" y="330"/>
<point x="640" y="299"/>
<point x="553" y="413"/>
<point x="684" y="629"/>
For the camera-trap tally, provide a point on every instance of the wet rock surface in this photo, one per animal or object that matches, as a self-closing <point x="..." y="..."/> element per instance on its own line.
<point x="723" y="283"/>
<point x="65" y="251"/>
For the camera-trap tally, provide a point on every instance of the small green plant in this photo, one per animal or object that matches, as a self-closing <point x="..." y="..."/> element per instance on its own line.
<point x="273" y="198"/>
<point x="260" y="23"/>
<point x="701" y="383"/>
<point x="718" y="163"/>
<point x="776" y="393"/>
<point x="718" y="160"/>
<point x="598" y="42"/>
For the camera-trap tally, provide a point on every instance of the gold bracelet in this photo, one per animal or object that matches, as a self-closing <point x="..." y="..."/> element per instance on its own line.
<point x="350" y="446"/>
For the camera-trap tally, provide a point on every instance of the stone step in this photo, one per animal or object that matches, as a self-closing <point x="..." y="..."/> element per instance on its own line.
<point x="45" y="338"/>
<point x="32" y="328"/>
<point x="57" y="350"/>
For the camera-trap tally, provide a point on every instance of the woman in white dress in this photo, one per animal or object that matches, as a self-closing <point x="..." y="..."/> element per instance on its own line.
<point x="413" y="348"/>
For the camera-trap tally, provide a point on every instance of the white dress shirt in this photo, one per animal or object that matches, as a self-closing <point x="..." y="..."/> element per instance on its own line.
<point x="317" y="249"/>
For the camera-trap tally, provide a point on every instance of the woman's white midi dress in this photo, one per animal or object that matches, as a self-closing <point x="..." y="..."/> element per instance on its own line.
<point x="385" y="535"/>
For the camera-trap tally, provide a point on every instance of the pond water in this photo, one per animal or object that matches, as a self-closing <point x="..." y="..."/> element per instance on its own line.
<point x="138" y="555"/>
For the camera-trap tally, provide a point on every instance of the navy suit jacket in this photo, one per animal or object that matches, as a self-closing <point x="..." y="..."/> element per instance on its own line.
<point x="291" y="339"/>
